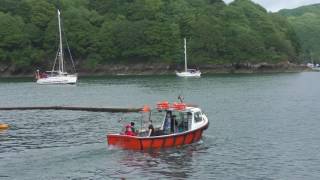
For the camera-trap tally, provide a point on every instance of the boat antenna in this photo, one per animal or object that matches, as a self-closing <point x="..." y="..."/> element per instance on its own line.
<point x="181" y="98"/>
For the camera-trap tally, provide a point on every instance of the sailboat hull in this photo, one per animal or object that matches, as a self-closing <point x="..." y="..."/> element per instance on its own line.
<point x="316" y="68"/>
<point x="59" y="79"/>
<point x="189" y="74"/>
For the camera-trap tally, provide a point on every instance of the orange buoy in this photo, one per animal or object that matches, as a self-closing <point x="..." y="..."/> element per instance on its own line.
<point x="146" y="108"/>
<point x="3" y="126"/>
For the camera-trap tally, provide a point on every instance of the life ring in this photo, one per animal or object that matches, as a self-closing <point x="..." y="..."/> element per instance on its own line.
<point x="164" y="105"/>
<point x="179" y="106"/>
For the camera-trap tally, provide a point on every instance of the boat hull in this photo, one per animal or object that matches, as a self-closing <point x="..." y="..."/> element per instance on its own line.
<point x="189" y="74"/>
<point x="68" y="79"/>
<point x="156" y="142"/>
<point x="316" y="68"/>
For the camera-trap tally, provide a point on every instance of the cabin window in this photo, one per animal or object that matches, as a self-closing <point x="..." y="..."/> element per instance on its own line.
<point x="197" y="117"/>
<point x="167" y="123"/>
<point x="184" y="121"/>
<point x="177" y="118"/>
<point x="176" y="122"/>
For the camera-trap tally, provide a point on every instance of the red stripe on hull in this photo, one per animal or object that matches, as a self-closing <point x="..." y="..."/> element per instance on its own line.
<point x="197" y="136"/>
<point x="179" y="140"/>
<point x="189" y="138"/>
<point x="146" y="143"/>
<point x="169" y="142"/>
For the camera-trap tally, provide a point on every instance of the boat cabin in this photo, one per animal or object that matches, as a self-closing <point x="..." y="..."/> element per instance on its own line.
<point x="175" y="121"/>
<point x="192" y="70"/>
<point x="56" y="73"/>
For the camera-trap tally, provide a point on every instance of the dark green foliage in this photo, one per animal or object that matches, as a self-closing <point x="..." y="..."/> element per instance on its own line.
<point x="306" y="23"/>
<point x="138" y="31"/>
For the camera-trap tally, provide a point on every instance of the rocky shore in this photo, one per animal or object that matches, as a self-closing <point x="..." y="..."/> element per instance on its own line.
<point x="160" y="69"/>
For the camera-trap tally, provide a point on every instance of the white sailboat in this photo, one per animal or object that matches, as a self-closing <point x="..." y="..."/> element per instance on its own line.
<point x="188" y="72"/>
<point x="59" y="76"/>
<point x="314" y="67"/>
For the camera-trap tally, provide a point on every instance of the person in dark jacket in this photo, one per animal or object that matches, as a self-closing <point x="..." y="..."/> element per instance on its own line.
<point x="151" y="130"/>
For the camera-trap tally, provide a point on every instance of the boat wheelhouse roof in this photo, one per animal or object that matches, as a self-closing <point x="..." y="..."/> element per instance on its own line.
<point x="187" y="109"/>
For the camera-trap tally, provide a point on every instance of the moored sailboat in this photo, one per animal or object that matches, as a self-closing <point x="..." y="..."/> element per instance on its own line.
<point x="188" y="72"/>
<point x="59" y="76"/>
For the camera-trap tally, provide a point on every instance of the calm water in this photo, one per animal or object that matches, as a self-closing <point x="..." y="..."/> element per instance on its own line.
<point x="261" y="127"/>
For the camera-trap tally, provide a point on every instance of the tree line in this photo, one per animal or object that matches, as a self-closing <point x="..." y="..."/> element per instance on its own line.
<point x="305" y="21"/>
<point x="140" y="31"/>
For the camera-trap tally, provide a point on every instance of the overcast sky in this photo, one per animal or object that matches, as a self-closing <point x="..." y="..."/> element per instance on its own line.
<point x="275" y="5"/>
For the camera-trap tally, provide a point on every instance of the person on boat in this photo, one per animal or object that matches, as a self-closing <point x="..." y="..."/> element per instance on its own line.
<point x="37" y="74"/>
<point x="43" y="75"/>
<point x="174" y="127"/>
<point x="167" y="124"/>
<point x="151" y="130"/>
<point x="128" y="130"/>
<point x="133" y="129"/>
<point x="181" y="127"/>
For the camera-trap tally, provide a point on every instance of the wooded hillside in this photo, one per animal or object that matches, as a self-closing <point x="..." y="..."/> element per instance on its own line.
<point x="306" y="22"/>
<point x="139" y="31"/>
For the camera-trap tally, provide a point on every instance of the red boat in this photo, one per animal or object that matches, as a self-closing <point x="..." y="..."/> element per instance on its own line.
<point x="181" y="124"/>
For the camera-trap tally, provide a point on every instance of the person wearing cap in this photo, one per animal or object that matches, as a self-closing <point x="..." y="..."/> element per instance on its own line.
<point x="133" y="129"/>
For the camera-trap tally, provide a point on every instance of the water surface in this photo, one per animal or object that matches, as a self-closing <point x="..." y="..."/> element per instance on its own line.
<point x="262" y="126"/>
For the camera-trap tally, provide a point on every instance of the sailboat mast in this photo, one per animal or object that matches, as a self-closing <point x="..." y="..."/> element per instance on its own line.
<point x="185" y="54"/>
<point x="61" y="68"/>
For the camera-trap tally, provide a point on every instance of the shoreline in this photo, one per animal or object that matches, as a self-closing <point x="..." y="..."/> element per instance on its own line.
<point x="167" y="69"/>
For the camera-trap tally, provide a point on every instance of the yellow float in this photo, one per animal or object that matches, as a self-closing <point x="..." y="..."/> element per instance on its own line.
<point x="3" y="126"/>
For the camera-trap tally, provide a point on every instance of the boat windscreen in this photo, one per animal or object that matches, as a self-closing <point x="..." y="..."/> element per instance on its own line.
<point x="157" y="117"/>
<point x="177" y="121"/>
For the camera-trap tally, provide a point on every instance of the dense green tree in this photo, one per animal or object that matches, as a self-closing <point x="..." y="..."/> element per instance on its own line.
<point x="306" y="24"/>
<point x="12" y="37"/>
<point x="139" y="31"/>
<point x="9" y="5"/>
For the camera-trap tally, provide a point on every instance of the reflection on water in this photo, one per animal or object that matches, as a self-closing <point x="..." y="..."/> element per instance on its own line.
<point x="174" y="163"/>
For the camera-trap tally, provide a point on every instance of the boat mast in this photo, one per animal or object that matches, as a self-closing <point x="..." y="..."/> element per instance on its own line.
<point x="185" y="54"/>
<point x="61" y="68"/>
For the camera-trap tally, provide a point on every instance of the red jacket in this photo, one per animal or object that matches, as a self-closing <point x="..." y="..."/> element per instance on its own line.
<point x="128" y="131"/>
